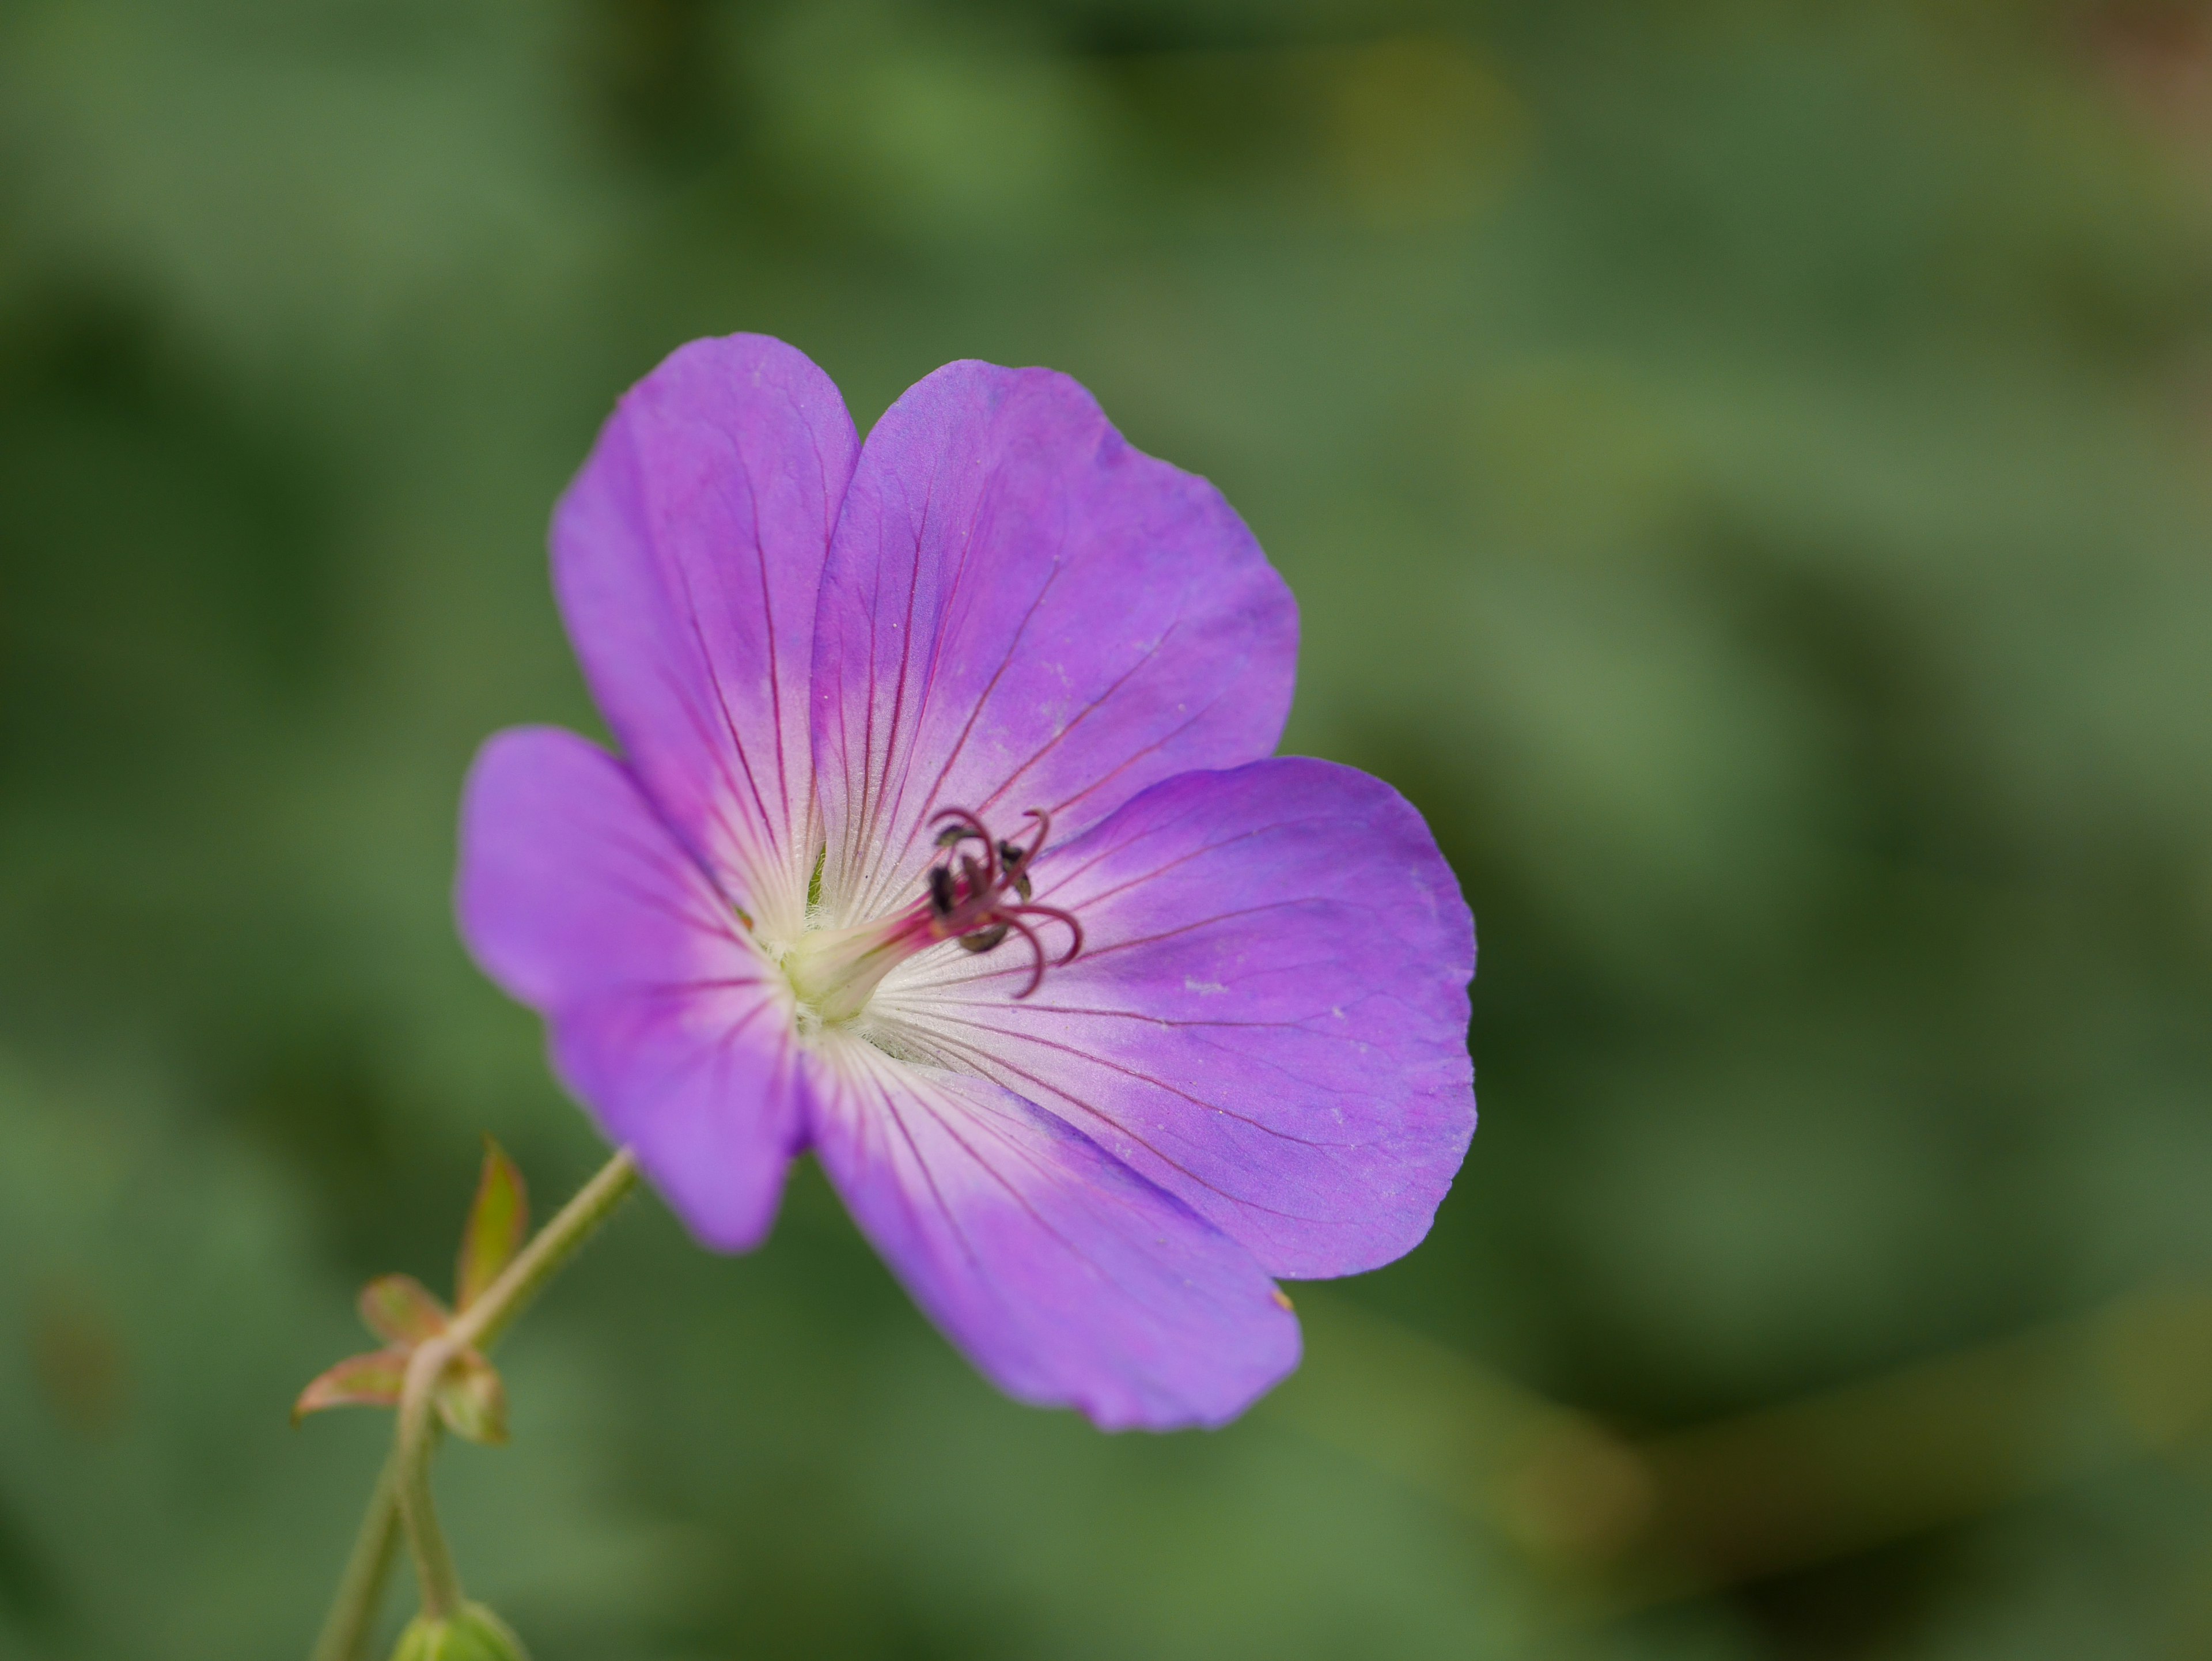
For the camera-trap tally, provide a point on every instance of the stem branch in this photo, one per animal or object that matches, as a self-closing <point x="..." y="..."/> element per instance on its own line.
<point x="403" y="1493"/>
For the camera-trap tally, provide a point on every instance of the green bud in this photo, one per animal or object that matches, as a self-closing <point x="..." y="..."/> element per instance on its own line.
<point x="474" y="1633"/>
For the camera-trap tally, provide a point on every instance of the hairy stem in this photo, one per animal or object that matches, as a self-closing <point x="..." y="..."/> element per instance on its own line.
<point x="403" y="1493"/>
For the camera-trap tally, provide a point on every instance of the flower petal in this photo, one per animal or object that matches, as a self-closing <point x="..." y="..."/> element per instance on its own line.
<point x="1268" y="1017"/>
<point x="688" y="557"/>
<point x="1067" y="1279"/>
<point x="666" y="1022"/>
<point x="1020" y="610"/>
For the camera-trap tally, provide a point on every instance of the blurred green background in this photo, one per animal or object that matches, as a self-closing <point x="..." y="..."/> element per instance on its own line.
<point x="1744" y="470"/>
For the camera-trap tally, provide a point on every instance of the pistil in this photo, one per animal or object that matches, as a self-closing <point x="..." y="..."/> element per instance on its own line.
<point x="835" y="971"/>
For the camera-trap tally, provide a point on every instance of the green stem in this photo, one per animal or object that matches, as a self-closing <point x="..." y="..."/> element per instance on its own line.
<point x="360" y="1589"/>
<point x="403" y="1493"/>
<point x="435" y="1578"/>
<point x="479" y="1325"/>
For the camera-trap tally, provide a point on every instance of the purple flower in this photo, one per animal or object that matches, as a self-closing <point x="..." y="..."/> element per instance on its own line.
<point x="946" y="843"/>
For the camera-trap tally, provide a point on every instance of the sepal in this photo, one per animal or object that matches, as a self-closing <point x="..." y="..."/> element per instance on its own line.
<point x="498" y="1219"/>
<point x="400" y="1309"/>
<point x="471" y="1399"/>
<point x="371" y="1380"/>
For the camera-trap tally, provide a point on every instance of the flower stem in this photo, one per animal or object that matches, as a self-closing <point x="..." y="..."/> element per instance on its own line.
<point x="403" y="1493"/>
<point x="435" y="1578"/>
<point x="345" y="1629"/>
<point x="479" y="1325"/>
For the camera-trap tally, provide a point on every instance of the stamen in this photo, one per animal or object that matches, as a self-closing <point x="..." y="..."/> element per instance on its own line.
<point x="979" y="902"/>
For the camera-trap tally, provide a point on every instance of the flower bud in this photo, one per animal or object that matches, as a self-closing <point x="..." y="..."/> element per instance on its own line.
<point x="472" y="1633"/>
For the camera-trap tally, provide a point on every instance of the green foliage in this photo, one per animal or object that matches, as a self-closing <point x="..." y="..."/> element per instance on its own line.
<point x="1743" y="468"/>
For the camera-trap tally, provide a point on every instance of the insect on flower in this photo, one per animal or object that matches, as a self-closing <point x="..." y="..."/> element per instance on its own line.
<point x="947" y="842"/>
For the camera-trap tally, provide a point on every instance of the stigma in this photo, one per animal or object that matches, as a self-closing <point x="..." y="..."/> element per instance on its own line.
<point x="978" y="893"/>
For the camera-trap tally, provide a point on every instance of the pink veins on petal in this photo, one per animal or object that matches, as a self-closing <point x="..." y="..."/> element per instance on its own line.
<point x="946" y="841"/>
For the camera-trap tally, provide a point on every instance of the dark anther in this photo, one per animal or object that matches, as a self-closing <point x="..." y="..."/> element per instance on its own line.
<point x="1014" y="859"/>
<point x="979" y="901"/>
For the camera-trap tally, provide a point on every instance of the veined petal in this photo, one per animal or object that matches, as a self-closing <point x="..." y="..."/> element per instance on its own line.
<point x="1067" y="1278"/>
<point x="1268" y="1017"/>
<point x="666" y="1022"/>
<point x="1020" y="610"/>
<point x="687" y="557"/>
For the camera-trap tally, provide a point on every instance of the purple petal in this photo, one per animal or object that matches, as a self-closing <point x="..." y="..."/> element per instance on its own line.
<point x="1020" y="610"/>
<point x="666" y="1023"/>
<point x="1268" y="1017"/>
<point x="1068" y="1280"/>
<point x="688" y="558"/>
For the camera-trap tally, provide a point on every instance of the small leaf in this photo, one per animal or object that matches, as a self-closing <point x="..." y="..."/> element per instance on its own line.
<point x="471" y="1400"/>
<point x="371" y="1380"/>
<point x="400" y="1309"/>
<point x="497" y="1222"/>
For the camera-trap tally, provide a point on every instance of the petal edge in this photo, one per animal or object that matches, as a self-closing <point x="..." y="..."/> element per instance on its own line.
<point x="1066" y="1278"/>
